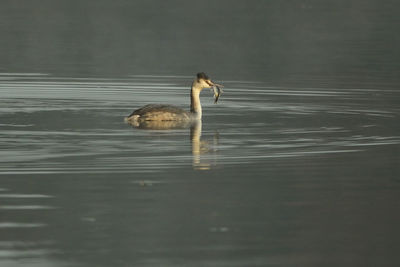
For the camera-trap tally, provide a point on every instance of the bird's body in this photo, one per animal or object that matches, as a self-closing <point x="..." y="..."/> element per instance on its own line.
<point x="157" y="112"/>
<point x="160" y="113"/>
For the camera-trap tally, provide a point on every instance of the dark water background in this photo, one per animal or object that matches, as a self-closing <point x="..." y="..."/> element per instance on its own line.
<point x="297" y="165"/>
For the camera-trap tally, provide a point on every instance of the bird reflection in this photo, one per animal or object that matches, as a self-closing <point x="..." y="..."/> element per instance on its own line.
<point x="200" y="148"/>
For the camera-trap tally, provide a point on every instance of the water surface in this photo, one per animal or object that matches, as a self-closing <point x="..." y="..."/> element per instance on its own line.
<point x="297" y="164"/>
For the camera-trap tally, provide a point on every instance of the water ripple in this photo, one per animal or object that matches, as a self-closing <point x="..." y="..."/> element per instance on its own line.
<point x="24" y="196"/>
<point x="25" y="207"/>
<point x="20" y="225"/>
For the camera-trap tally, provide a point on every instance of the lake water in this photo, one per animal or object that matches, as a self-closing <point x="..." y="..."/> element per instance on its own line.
<point x="297" y="164"/>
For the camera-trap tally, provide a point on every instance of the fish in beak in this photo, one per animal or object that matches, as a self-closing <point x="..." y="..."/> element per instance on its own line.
<point x="216" y="88"/>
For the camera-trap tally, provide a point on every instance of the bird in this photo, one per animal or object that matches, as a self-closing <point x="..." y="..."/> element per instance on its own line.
<point x="154" y="114"/>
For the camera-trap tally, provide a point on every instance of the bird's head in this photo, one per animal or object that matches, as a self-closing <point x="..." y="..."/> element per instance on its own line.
<point x="202" y="81"/>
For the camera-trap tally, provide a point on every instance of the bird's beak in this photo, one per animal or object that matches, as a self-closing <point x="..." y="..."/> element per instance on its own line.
<point x="211" y="83"/>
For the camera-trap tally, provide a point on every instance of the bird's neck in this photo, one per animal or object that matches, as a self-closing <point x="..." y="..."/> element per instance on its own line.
<point x="195" y="105"/>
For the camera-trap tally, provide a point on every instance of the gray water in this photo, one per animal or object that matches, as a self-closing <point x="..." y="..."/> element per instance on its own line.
<point x="297" y="164"/>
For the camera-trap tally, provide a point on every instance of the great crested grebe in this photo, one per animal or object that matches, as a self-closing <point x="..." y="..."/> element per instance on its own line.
<point x="165" y="113"/>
